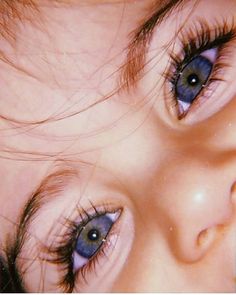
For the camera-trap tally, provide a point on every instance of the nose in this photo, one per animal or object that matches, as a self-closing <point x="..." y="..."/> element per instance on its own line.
<point x="196" y="196"/>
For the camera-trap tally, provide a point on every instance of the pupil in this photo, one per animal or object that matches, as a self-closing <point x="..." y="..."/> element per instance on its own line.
<point x="93" y="235"/>
<point x="193" y="79"/>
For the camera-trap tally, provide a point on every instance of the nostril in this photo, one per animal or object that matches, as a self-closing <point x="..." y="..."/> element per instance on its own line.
<point x="206" y="237"/>
<point x="209" y="236"/>
<point x="233" y="193"/>
<point x="233" y="188"/>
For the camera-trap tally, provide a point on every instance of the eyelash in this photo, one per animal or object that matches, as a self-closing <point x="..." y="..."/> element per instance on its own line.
<point x="62" y="253"/>
<point x="194" y="42"/>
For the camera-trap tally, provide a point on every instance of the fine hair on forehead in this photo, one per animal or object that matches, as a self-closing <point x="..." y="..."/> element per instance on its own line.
<point x="15" y="12"/>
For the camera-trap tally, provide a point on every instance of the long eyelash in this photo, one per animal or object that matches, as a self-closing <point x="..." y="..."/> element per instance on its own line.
<point x="203" y="37"/>
<point x="62" y="253"/>
<point x="199" y="38"/>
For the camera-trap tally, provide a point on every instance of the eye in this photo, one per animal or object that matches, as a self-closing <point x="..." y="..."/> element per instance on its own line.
<point x="205" y="55"/>
<point x="82" y="250"/>
<point x="91" y="237"/>
<point x="193" y="78"/>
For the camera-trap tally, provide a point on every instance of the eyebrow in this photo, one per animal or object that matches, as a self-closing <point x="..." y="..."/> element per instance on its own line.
<point x="140" y="39"/>
<point x="48" y="189"/>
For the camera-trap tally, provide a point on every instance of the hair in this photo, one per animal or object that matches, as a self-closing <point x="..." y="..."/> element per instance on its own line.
<point x="5" y="280"/>
<point x="14" y="11"/>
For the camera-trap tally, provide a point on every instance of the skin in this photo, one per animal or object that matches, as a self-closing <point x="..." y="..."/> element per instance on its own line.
<point x="174" y="180"/>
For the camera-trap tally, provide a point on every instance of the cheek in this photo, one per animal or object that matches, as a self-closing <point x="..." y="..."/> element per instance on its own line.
<point x="223" y="127"/>
<point x="137" y="151"/>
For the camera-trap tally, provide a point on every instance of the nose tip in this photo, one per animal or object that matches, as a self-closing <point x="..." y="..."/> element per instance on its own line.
<point x="201" y="222"/>
<point x="199" y="209"/>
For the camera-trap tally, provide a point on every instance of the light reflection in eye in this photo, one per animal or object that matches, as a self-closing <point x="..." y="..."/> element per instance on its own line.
<point x="193" y="78"/>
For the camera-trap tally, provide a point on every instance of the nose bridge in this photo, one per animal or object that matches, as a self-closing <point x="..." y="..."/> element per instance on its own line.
<point x="196" y="197"/>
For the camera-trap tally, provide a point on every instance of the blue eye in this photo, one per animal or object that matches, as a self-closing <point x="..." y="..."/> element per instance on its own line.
<point x="93" y="235"/>
<point x="91" y="238"/>
<point x="193" y="77"/>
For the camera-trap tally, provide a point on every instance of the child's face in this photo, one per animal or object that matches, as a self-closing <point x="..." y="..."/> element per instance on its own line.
<point x="128" y="189"/>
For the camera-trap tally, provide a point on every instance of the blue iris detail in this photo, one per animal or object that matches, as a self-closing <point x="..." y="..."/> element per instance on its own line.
<point x="92" y="236"/>
<point x="192" y="79"/>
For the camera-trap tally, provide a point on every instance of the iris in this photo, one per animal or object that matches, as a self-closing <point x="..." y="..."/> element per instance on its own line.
<point x="93" y="235"/>
<point x="192" y="79"/>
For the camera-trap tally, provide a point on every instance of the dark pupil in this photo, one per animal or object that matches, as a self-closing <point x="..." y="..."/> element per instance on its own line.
<point x="93" y="235"/>
<point x="193" y="79"/>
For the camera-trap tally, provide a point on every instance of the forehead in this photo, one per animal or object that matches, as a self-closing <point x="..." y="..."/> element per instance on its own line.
<point x="63" y="54"/>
